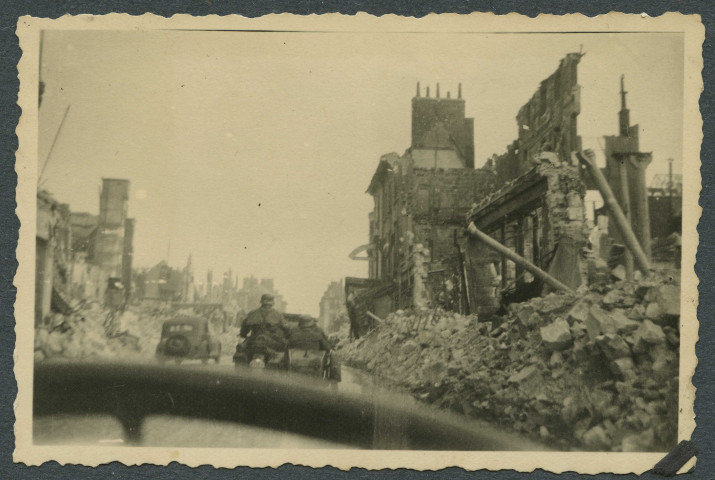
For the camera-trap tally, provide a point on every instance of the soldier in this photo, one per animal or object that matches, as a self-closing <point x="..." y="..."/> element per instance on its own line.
<point x="308" y="335"/>
<point x="264" y="327"/>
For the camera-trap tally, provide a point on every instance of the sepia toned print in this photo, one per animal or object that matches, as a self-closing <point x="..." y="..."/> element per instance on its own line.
<point x="356" y="241"/>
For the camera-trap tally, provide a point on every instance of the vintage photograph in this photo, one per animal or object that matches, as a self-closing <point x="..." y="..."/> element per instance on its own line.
<point x="411" y="238"/>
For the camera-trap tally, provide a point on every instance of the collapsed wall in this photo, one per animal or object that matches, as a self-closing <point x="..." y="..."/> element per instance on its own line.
<point x="596" y="371"/>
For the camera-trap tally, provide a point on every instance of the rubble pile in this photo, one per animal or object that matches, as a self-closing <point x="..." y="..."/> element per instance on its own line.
<point x="594" y="371"/>
<point x="83" y="335"/>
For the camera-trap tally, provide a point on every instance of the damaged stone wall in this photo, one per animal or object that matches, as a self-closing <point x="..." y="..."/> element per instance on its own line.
<point x="540" y="215"/>
<point x="547" y="122"/>
<point x="417" y="213"/>
<point x="53" y="252"/>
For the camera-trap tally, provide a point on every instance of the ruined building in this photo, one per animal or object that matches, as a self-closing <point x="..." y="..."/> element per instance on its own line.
<point x="538" y="212"/>
<point x="625" y="171"/>
<point x="547" y="122"/>
<point x="524" y="210"/>
<point x="420" y="200"/>
<point x="249" y="296"/>
<point x="53" y="267"/>
<point x="112" y="249"/>
<point x="332" y="307"/>
<point x="665" y="204"/>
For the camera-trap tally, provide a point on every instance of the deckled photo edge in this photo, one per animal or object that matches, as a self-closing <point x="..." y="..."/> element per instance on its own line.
<point x="28" y="32"/>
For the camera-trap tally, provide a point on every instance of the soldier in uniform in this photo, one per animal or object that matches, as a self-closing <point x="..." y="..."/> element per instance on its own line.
<point x="308" y="335"/>
<point x="263" y="328"/>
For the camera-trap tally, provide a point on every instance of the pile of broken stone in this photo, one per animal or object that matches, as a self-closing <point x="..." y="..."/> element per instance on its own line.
<point x="82" y="336"/>
<point x="596" y="371"/>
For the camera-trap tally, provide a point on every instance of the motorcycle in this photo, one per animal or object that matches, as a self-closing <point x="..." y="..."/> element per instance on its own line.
<point x="295" y="359"/>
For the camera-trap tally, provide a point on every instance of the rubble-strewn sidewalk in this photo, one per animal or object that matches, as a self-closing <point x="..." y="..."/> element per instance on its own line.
<point x="597" y="371"/>
<point x="83" y="336"/>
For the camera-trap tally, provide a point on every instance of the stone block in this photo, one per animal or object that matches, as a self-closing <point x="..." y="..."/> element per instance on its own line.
<point x="523" y="375"/>
<point x="647" y="335"/>
<point x="624" y="368"/>
<point x="612" y="298"/>
<point x="637" y="312"/>
<point x="39" y="356"/>
<point x="613" y="346"/>
<point x="599" y="322"/>
<point x="619" y="273"/>
<point x="556" y="359"/>
<point x="409" y="347"/>
<point x="527" y="317"/>
<point x="578" y="313"/>
<point x="578" y="330"/>
<point x="622" y="323"/>
<point x="654" y="312"/>
<point x="668" y="298"/>
<point x="556" y="336"/>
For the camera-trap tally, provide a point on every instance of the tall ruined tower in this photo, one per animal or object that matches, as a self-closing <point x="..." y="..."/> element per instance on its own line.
<point x="625" y="171"/>
<point x="440" y="123"/>
<point x="109" y="245"/>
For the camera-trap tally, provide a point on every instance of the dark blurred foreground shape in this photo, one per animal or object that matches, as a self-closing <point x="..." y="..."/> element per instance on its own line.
<point x="132" y="392"/>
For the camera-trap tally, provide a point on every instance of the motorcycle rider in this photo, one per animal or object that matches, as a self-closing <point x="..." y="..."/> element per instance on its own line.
<point x="263" y="327"/>
<point x="308" y="335"/>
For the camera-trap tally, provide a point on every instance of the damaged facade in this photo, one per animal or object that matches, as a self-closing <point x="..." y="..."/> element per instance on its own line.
<point x="79" y="255"/>
<point x="529" y="199"/>
<point x="539" y="210"/>
<point x="420" y="200"/>
<point x="332" y="307"/>
<point x="592" y="365"/>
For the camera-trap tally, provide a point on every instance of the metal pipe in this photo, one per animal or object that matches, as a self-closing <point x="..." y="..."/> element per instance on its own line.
<point x="629" y="238"/>
<point x="519" y="260"/>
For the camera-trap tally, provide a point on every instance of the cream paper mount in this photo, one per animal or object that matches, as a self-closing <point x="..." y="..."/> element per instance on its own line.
<point x="226" y="127"/>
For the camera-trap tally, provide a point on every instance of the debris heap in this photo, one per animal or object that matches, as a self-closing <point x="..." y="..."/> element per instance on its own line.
<point x="596" y="371"/>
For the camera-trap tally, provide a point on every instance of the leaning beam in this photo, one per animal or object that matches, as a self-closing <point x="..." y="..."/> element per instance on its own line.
<point x="587" y="158"/>
<point x="518" y="259"/>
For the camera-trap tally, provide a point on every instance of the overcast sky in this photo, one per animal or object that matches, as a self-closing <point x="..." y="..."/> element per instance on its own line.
<point x="253" y="150"/>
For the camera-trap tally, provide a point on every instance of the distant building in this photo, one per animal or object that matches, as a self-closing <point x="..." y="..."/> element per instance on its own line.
<point x="665" y="204"/>
<point x="161" y="283"/>
<point x="109" y="242"/>
<point x="88" y="279"/>
<point x="249" y="296"/>
<point x="79" y="254"/>
<point x="332" y="307"/>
